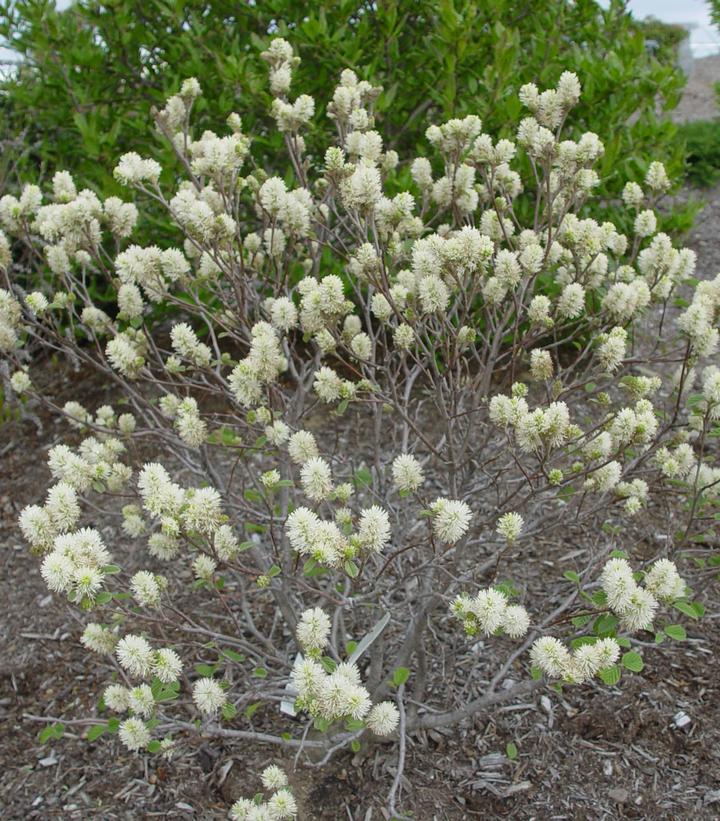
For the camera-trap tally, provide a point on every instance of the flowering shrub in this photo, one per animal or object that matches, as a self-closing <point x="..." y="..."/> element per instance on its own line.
<point x="372" y="406"/>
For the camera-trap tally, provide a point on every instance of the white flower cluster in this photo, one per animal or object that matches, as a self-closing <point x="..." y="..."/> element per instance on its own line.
<point x="196" y="512"/>
<point x="75" y="565"/>
<point x="450" y="519"/>
<point x="407" y="473"/>
<point x="325" y="542"/>
<point x="260" y="368"/>
<point x="288" y="116"/>
<point x="554" y="659"/>
<point x="10" y="316"/>
<point x="336" y="695"/>
<point x="634" y="604"/>
<point x="138" y="659"/>
<point x="699" y="319"/>
<point x="537" y="431"/>
<point x="209" y="695"/>
<point x="490" y="613"/>
<point x="280" y="805"/>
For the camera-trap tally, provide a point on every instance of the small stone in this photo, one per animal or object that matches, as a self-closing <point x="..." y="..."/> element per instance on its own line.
<point x="619" y="795"/>
<point x="681" y="719"/>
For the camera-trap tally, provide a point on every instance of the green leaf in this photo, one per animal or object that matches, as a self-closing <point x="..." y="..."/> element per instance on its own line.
<point x="363" y="477"/>
<point x="252" y="495"/>
<point x="355" y="745"/>
<point x="675" y="631"/>
<point x="274" y="571"/>
<point x="154" y="746"/>
<point x="95" y="731"/>
<point x="693" y="609"/>
<point x="511" y="751"/>
<point x="400" y="676"/>
<point x="535" y="673"/>
<point x="351" y="569"/>
<point x="109" y="569"/>
<point x="229" y="711"/>
<point x="54" y="731"/>
<point x="206" y="670"/>
<point x="633" y="661"/>
<point x="260" y="672"/>
<point x="103" y="597"/>
<point x="233" y="656"/>
<point x="610" y="675"/>
<point x="571" y="576"/>
<point x="251" y="709"/>
<point x="605" y="625"/>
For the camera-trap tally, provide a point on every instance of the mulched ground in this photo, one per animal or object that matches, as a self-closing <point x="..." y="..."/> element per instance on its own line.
<point x="649" y="749"/>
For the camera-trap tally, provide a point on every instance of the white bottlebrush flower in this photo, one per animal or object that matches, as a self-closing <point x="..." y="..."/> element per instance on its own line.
<point x="316" y="479"/>
<point x="62" y="506"/>
<point x="204" y="568"/>
<point x="302" y="447"/>
<point x="407" y="473"/>
<point x="117" y="698"/>
<point x="133" y="169"/>
<point x="208" y="696"/>
<point x="515" y="621"/>
<point x="489" y="608"/>
<point x="451" y="519"/>
<point x="645" y="223"/>
<point x="383" y="718"/>
<point x="141" y="701"/>
<point x="203" y="510"/>
<point x="135" y="655"/>
<point x="374" y="529"/>
<point x="551" y="656"/>
<point x="167" y="665"/>
<point x="273" y="778"/>
<point x="572" y="301"/>
<point x="145" y="589"/>
<point x="509" y="526"/>
<point x="328" y="385"/>
<point x="99" y="639"/>
<point x="639" y="612"/>
<point x="241" y="809"/>
<point x="37" y="527"/>
<point x="313" y="629"/>
<point x="87" y="581"/>
<point x="282" y="805"/>
<point x="134" y="734"/>
<point x="57" y="572"/>
<point x="20" y="382"/>
<point x="664" y="581"/>
<point x="618" y="583"/>
<point x="607" y="652"/>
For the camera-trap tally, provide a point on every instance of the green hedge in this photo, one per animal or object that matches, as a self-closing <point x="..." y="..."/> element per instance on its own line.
<point x="90" y="75"/>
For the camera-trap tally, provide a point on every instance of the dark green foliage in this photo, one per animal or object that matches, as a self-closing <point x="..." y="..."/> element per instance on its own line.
<point x="91" y="74"/>
<point x="702" y="138"/>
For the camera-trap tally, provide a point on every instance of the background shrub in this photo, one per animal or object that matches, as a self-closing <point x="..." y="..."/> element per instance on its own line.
<point x="702" y="138"/>
<point x="91" y="74"/>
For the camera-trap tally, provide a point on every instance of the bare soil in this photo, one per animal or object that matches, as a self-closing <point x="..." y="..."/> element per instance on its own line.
<point x="588" y="753"/>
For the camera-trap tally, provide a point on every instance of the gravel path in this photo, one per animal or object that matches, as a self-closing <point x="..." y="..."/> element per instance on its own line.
<point x="700" y="101"/>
